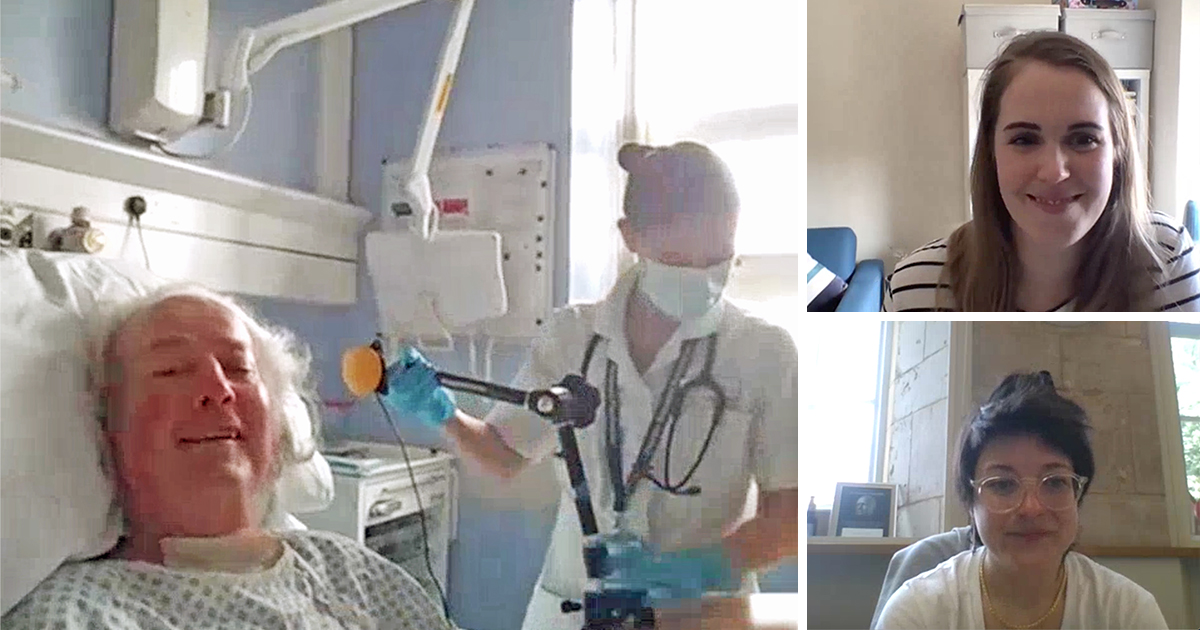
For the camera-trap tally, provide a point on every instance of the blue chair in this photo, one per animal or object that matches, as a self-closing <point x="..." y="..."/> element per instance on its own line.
<point x="836" y="248"/>
<point x="1191" y="219"/>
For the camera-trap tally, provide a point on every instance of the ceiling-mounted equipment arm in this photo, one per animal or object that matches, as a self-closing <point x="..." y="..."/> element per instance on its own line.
<point x="415" y="184"/>
<point x="256" y="46"/>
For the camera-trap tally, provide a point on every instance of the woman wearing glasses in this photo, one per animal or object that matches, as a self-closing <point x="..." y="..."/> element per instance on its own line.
<point x="1024" y="465"/>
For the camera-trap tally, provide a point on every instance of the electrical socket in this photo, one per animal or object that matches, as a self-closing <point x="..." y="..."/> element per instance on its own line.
<point x="8" y="80"/>
<point x="217" y="108"/>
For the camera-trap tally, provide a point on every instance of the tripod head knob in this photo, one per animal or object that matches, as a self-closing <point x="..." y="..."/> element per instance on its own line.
<point x="572" y="402"/>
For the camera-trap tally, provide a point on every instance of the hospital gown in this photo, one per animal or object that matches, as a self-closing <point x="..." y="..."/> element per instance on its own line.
<point x="322" y="580"/>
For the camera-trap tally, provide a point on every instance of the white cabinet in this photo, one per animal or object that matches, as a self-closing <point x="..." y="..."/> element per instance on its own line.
<point x="1124" y="38"/>
<point x="1126" y="41"/>
<point x="376" y="504"/>
<point x="987" y="28"/>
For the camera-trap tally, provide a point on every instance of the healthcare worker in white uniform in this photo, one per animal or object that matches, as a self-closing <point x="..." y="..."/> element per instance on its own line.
<point x="720" y="501"/>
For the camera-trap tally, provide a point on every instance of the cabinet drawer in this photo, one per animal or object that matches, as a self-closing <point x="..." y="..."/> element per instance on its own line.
<point x="394" y="498"/>
<point x="987" y="29"/>
<point x="1124" y="38"/>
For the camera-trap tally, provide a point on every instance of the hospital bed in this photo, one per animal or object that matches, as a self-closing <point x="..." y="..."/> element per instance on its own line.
<point x="57" y="503"/>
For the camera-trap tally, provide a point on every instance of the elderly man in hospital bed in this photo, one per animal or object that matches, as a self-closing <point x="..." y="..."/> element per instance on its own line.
<point x="192" y="395"/>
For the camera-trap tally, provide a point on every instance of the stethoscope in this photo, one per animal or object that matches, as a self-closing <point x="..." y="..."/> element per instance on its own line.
<point x="667" y="412"/>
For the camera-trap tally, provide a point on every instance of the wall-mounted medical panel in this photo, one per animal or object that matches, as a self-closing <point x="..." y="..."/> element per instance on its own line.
<point x="509" y="190"/>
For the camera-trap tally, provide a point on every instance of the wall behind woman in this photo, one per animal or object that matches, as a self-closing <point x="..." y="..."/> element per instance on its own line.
<point x="1105" y="367"/>
<point x="886" y="137"/>
<point x="917" y="444"/>
<point x="886" y="120"/>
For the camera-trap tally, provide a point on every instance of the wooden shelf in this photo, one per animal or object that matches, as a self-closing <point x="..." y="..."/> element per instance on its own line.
<point x="832" y="545"/>
<point x="1140" y="552"/>
<point x="829" y="545"/>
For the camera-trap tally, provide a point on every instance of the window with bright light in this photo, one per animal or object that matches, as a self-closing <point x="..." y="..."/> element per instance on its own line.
<point x="1185" y="356"/>
<point x="726" y="75"/>
<point x="783" y="311"/>
<point x="842" y="406"/>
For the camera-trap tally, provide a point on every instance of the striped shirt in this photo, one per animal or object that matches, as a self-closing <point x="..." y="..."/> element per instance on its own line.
<point x="916" y="281"/>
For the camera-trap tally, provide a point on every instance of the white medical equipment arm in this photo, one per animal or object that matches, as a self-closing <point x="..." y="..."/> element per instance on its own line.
<point x="256" y="46"/>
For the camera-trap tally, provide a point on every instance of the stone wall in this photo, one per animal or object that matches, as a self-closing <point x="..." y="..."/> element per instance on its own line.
<point x="1106" y="368"/>
<point x="918" y="424"/>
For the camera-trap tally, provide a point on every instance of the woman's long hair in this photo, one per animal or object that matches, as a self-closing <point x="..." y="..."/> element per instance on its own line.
<point x="1120" y="251"/>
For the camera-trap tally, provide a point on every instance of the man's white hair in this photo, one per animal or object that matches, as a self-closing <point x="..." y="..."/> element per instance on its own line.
<point x="283" y="364"/>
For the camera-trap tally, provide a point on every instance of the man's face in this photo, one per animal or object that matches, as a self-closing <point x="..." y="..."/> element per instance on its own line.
<point x="189" y="418"/>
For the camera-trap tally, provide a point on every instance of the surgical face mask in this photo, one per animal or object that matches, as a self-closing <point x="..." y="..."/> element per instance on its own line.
<point x="683" y="293"/>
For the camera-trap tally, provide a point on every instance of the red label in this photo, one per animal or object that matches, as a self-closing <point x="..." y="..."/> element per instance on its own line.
<point x="452" y="206"/>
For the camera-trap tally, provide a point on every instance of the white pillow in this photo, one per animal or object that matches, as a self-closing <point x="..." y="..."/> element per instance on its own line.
<point x="56" y="502"/>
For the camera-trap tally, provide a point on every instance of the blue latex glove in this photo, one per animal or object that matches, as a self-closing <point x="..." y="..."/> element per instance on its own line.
<point x="676" y="575"/>
<point x="413" y="390"/>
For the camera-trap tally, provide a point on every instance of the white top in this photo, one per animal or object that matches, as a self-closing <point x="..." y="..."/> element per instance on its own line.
<point x="913" y="284"/>
<point x="949" y="596"/>
<point x="321" y="580"/>
<point x="756" y="438"/>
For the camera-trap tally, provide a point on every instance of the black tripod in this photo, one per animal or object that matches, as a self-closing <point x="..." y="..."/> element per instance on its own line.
<point x="569" y="405"/>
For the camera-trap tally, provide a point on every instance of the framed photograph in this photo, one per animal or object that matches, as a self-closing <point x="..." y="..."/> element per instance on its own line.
<point x="864" y="510"/>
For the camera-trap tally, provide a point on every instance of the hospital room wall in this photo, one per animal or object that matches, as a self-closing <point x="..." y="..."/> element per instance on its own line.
<point x="59" y="51"/>
<point x="512" y="87"/>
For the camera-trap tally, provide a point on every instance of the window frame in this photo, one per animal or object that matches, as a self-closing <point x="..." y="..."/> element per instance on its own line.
<point x="880" y="437"/>
<point x="1178" y="499"/>
<point x="760" y="122"/>
<point x="883" y="401"/>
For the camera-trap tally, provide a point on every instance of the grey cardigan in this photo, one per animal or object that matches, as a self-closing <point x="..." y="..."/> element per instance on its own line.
<point x="918" y="558"/>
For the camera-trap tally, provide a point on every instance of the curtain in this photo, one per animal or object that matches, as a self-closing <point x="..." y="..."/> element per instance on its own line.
<point x="601" y="120"/>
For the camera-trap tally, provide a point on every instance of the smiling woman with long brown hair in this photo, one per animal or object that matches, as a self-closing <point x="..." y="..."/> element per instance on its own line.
<point x="1062" y="218"/>
<point x="1025" y="464"/>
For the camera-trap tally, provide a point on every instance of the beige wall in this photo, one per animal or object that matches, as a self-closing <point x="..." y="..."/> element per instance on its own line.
<point x="886" y="117"/>
<point x="917" y="426"/>
<point x="886" y="121"/>
<point x="1105" y="367"/>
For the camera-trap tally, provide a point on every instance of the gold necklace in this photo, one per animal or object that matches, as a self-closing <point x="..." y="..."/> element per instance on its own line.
<point x="987" y="599"/>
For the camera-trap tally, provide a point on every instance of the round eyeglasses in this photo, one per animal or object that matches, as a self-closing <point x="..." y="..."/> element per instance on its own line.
<point x="1057" y="492"/>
